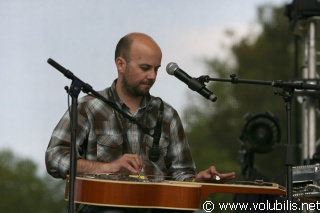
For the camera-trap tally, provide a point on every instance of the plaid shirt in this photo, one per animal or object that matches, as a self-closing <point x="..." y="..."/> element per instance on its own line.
<point x="105" y="135"/>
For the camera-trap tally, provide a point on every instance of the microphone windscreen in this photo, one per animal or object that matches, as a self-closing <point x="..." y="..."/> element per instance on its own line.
<point x="171" y="68"/>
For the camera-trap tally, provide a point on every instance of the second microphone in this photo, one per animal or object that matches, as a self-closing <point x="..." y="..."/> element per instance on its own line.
<point x="193" y="83"/>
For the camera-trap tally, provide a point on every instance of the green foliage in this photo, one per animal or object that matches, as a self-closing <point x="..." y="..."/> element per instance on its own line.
<point x="213" y="129"/>
<point x="24" y="191"/>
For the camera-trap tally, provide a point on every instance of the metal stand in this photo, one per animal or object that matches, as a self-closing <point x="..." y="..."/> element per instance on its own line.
<point x="287" y="94"/>
<point x="76" y="86"/>
<point x="306" y="29"/>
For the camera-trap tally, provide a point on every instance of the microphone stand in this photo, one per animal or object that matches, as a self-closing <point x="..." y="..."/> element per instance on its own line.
<point x="77" y="86"/>
<point x="287" y="93"/>
<point x="73" y="92"/>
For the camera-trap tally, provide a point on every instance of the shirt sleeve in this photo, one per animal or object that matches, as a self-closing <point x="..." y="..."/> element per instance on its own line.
<point x="57" y="156"/>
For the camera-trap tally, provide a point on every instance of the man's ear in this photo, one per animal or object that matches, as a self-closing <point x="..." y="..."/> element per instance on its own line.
<point x="121" y="64"/>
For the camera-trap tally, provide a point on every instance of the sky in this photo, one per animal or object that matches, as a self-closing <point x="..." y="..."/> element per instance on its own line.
<point x="81" y="36"/>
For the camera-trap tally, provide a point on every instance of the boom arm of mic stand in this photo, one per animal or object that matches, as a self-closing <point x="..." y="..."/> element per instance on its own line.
<point x="277" y="83"/>
<point x="234" y="80"/>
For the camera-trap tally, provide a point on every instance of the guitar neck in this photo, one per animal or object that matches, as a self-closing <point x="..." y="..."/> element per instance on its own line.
<point x="235" y="188"/>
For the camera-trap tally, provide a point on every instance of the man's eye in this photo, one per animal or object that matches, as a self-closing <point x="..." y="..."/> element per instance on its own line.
<point x="145" y="68"/>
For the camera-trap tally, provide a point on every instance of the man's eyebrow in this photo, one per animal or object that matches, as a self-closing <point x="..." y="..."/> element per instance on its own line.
<point x="149" y="65"/>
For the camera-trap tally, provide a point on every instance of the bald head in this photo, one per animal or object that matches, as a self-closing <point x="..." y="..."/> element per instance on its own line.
<point x="138" y="58"/>
<point x="124" y="46"/>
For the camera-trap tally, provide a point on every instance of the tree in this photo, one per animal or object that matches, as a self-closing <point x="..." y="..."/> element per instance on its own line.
<point x="24" y="191"/>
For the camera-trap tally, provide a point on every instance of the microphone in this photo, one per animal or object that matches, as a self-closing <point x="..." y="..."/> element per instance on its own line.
<point x="193" y="83"/>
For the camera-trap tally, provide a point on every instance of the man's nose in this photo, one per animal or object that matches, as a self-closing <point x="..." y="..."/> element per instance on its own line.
<point x="152" y="74"/>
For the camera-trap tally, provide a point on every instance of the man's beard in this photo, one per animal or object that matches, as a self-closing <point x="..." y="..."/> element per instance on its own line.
<point x="132" y="88"/>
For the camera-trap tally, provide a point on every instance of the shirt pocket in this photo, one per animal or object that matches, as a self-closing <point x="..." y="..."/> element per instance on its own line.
<point x="109" y="147"/>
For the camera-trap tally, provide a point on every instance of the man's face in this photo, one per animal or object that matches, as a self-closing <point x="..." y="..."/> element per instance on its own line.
<point x="141" y="71"/>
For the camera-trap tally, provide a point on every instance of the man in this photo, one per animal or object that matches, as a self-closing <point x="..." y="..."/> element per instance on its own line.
<point x="108" y="143"/>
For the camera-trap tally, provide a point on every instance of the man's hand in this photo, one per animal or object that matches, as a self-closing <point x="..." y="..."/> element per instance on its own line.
<point x="127" y="164"/>
<point x="212" y="174"/>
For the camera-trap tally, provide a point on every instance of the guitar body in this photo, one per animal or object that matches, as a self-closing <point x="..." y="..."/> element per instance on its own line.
<point x="166" y="195"/>
<point x="162" y="195"/>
